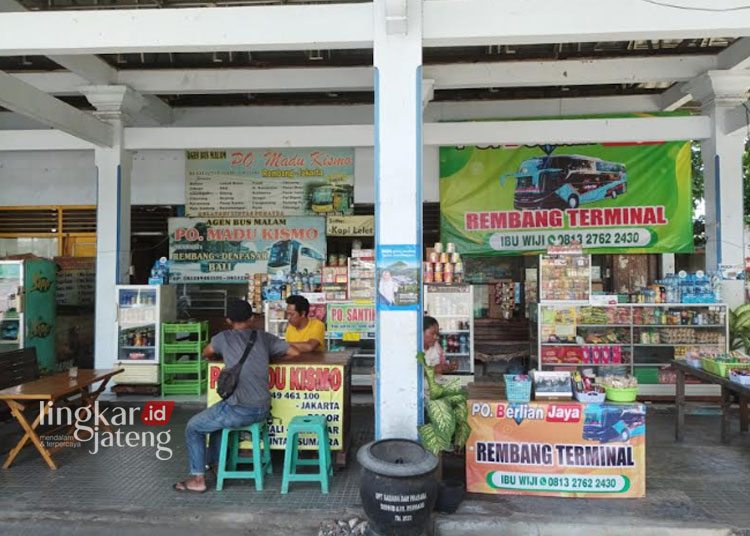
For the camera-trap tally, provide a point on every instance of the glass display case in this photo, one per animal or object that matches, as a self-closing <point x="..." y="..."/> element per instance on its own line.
<point x="565" y="277"/>
<point x="335" y="283"/>
<point x="637" y="339"/>
<point x="276" y="322"/>
<point x="28" y="310"/>
<point x="452" y="306"/>
<point x="141" y="309"/>
<point x="362" y="279"/>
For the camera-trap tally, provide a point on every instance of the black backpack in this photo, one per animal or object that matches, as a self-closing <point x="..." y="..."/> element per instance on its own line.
<point x="227" y="381"/>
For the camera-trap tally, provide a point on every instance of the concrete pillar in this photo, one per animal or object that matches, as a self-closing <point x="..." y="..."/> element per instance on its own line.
<point x="398" y="205"/>
<point x="115" y="104"/>
<point x="719" y="92"/>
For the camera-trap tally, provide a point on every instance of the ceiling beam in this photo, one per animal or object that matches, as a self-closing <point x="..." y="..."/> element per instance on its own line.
<point x="508" y="22"/>
<point x="738" y="119"/>
<point x="569" y="72"/>
<point x="91" y="68"/>
<point x="215" y="137"/>
<point x="363" y="113"/>
<point x="736" y="56"/>
<point x="567" y="131"/>
<point x="560" y="131"/>
<point x="287" y="80"/>
<point x="87" y="69"/>
<point x="675" y="97"/>
<point x="556" y="131"/>
<point x="24" y="99"/>
<point x="290" y="27"/>
<point x="41" y="140"/>
<point x="446" y="76"/>
<point x="346" y="26"/>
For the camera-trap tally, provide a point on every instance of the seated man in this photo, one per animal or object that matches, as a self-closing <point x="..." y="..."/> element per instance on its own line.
<point x="304" y="333"/>
<point x="250" y="401"/>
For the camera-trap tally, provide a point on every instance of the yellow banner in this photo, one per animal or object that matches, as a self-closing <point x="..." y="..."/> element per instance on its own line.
<point x="560" y="449"/>
<point x="298" y="390"/>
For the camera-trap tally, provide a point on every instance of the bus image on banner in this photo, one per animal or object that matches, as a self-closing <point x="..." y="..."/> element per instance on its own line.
<point x="605" y="423"/>
<point x="328" y="198"/>
<point x="566" y="181"/>
<point x="291" y="256"/>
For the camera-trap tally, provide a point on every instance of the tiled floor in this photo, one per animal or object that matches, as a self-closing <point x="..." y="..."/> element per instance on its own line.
<point x="699" y="480"/>
<point x="134" y="478"/>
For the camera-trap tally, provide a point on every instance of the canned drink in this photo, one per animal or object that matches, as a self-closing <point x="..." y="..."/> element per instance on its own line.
<point x="450" y="247"/>
<point x="448" y="277"/>
<point x="434" y="257"/>
<point x="437" y="277"/>
<point x="439" y="267"/>
<point x="455" y="257"/>
<point x="444" y="257"/>
<point x="459" y="268"/>
<point x="448" y="268"/>
<point x="428" y="277"/>
<point x="427" y="267"/>
<point x="438" y="247"/>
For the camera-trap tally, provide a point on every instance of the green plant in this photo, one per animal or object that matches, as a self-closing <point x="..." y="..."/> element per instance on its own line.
<point x="739" y="328"/>
<point x="448" y="428"/>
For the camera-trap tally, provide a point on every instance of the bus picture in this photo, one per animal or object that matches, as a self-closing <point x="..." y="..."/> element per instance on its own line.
<point x="327" y="198"/>
<point x="290" y="256"/>
<point x="566" y="181"/>
<point x="605" y="423"/>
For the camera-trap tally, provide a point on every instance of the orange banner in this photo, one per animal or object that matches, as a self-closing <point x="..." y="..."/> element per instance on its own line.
<point x="558" y="449"/>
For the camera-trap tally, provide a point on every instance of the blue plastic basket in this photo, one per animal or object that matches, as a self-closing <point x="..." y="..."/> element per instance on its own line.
<point x="517" y="391"/>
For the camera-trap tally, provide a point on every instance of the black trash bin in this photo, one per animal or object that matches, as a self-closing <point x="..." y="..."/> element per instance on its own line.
<point x="398" y="487"/>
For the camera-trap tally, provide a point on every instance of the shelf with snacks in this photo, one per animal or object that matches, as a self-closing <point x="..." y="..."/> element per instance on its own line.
<point x="565" y="277"/>
<point x="647" y="338"/>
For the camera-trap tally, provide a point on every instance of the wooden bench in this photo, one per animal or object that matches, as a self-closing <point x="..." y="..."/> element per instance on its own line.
<point x="17" y="367"/>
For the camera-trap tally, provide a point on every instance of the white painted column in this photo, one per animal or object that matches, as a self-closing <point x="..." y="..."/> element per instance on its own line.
<point x="719" y="92"/>
<point x="116" y="105"/>
<point x="398" y="204"/>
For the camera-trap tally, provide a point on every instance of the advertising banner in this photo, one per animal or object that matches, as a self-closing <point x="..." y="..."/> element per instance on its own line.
<point x="217" y="250"/>
<point x="298" y="390"/>
<point x="610" y="198"/>
<point x="559" y="449"/>
<point x="281" y="182"/>
<point x="398" y="274"/>
<point x="350" y="318"/>
<point x="350" y="225"/>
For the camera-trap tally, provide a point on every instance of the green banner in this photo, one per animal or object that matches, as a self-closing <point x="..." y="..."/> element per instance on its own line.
<point x="609" y="198"/>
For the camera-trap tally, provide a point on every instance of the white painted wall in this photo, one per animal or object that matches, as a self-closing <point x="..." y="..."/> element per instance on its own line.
<point x="158" y="177"/>
<point x="47" y="178"/>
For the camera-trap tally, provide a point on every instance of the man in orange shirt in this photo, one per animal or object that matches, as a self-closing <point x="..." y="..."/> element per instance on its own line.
<point x="304" y="333"/>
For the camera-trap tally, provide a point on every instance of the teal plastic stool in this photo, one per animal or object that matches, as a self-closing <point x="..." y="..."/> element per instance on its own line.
<point x="261" y="459"/>
<point x="311" y="424"/>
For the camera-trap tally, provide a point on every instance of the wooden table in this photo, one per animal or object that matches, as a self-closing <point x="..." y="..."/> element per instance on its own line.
<point x="51" y="390"/>
<point x="727" y="388"/>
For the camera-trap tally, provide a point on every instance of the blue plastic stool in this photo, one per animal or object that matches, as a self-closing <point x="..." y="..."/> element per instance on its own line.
<point x="261" y="459"/>
<point x="311" y="424"/>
